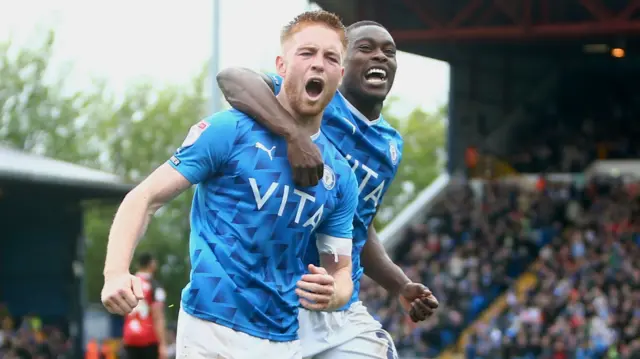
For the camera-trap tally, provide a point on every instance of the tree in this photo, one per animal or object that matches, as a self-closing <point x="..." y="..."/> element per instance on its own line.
<point x="138" y="134"/>
<point x="129" y="135"/>
<point x="36" y="115"/>
<point x="424" y="136"/>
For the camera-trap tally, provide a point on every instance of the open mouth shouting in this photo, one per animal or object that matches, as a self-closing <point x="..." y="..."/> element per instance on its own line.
<point x="376" y="76"/>
<point x="314" y="87"/>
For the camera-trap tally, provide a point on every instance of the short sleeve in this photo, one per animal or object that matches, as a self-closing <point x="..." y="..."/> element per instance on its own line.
<point x="206" y="148"/>
<point x="159" y="295"/>
<point x="277" y="82"/>
<point x="340" y="222"/>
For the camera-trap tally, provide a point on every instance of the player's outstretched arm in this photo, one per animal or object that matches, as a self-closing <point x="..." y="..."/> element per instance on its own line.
<point x="205" y="149"/>
<point x="136" y="211"/>
<point x="414" y="297"/>
<point x="121" y="290"/>
<point x="253" y="94"/>
<point x="379" y="267"/>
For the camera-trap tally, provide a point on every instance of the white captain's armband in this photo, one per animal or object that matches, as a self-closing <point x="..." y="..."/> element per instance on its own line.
<point x="333" y="245"/>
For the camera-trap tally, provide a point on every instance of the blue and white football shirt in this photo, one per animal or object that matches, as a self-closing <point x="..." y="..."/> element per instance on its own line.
<point x="250" y="225"/>
<point x="374" y="151"/>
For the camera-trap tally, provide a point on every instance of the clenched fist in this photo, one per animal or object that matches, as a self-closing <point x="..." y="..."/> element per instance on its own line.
<point x="306" y="161"/>
<point x="418" y="301"/>
<point x="121" y="293"/>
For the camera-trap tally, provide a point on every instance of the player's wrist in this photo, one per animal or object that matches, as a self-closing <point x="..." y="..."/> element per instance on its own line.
<point x="115" y="272"/>
<point x="400" y="287"/>
<point x="341" y="296"/>
<point x="292" y="134"/>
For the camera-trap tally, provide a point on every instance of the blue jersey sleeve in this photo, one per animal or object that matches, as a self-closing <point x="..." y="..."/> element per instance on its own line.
<point x="206" y="148"/>
<point x="277" y="82"/>
<point x="340" y="223"/>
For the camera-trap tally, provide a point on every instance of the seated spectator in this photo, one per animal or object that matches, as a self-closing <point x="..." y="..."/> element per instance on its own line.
<point x="469" y="250"/>
<point x="29" y="339"/>
<point x="586" y="301"/>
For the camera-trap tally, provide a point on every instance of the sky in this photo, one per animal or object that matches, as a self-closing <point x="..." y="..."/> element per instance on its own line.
<point x="169" y="41"/>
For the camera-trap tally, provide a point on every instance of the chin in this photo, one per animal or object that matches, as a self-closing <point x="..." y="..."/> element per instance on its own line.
<point x="375" y="95"/>
<point x="310" y="110"/>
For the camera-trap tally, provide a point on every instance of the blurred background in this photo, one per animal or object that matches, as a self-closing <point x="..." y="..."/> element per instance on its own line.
<point x="516" y="203"/>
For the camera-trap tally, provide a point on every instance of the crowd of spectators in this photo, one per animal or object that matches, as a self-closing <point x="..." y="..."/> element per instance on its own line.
<point x="470" y="249"/>
<point x="586" y="304"/>
<point x="28" y="338"/>
<point x="582" y="241"/>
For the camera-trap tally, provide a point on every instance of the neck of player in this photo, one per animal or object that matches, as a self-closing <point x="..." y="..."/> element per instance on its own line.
<point x="370" y="108"/>
<point x="309" y="124"/>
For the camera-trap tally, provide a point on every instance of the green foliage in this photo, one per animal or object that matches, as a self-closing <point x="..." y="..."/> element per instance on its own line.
<point x="129" y="135"/>
<point x="132" y="134"/>
<point x="138" y="134"/>
<point x="35" y="115"/>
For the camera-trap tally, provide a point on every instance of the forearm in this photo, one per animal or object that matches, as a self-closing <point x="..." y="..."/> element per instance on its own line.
<point x="248" y="92"/>
<point x="159" y="326"/>
<point x="379" y="267"/>
<point x="343" y="288"/>
<point x="128" y="227"/>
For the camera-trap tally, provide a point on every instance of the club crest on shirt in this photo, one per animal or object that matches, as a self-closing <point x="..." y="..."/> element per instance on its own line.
<point x="194" y="133"/>
<point x="328" y="178"/>
<point x="393" y="151"/>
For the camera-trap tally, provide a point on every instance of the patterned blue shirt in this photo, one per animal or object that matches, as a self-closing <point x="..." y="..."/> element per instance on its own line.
<point x="251" y="226"/>
<point x="374" y="151"/>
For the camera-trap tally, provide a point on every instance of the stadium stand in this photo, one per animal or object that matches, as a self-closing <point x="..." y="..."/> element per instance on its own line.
<point x="28" y="338"/>
<point x="529" y="268"/>
<point x="472" y="246"/>
<point x="586" y="125"/>
<point x="539" y="261"/>
<point x="587" y="299"/>
<point x="41" y="257"/>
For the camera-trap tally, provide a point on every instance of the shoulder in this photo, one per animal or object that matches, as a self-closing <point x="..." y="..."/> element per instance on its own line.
<point x="231" y="120"/>
<point x="231" y="117"/>
<point x="276" y="80"/>
<point x="219" y="130"/>
<point x="386" y="126"/>
<point x="337" y="104"/>
<point x="220" y="122"/>
<point x="389" y="132"/>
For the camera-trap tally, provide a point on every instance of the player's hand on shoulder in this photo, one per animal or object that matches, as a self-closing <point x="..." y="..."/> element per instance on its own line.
<point x="305" y="159"/>
<point x="121" y="292"/>
<point x="316" y="289"/>
<point x="418" y="301"/>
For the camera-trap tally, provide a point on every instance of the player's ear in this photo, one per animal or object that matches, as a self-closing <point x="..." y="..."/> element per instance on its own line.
<point x="281" y="67"/>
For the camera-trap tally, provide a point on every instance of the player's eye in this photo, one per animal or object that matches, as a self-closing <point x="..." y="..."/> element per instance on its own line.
<point x="390" y="52"/>
<point x="364" y="48"/>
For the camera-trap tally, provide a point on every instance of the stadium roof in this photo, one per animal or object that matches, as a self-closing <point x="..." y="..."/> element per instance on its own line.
<point x="443" y="28"/>
<point x="18" y="167"/>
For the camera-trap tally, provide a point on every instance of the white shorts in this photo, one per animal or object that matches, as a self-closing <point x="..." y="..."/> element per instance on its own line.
<point x="200" y="339"/>
<point x="350" y="334"/>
